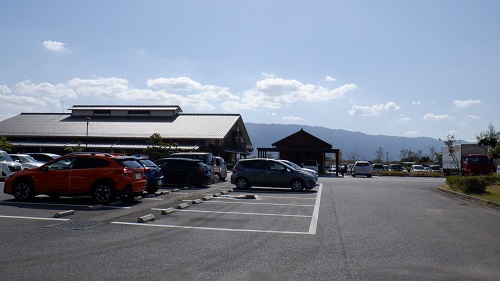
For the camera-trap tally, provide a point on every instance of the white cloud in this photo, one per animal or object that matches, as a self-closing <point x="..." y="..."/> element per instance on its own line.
<point x="4" y="90"/>
<point x="466" y="103"/>
<point x="372" y="110"/>
<point x="47" y="90"/>
<point x="474" y="117"/>
<point x="274" y="93"/>
<point x="411" y="133"/>
<point x="416" y="103"/>
<point x="431" y="116"/>
<point x="330" y="79"/>
<point x="56" y="47"/>
<point x="267" y="75"/>
<point x="293" y="118"/>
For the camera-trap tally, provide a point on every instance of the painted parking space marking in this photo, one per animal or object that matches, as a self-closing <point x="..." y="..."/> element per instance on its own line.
<point x="61" y="205"/>
<point x="33" y="218"/>
<point x="311" y="231"/>
<point x="212" y="228"/>
<point x="237" y="213"/>
<point x="257" y="203"/>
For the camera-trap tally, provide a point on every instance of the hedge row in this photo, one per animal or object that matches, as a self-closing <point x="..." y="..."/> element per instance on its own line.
<point x="472" y="184"/>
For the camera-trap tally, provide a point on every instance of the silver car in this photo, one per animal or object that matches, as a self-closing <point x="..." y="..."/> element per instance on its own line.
<point x="362" y="168"/>
<point x="7" y="165"/>
<point x="270" y="173"/>
<point x="297" y="167"/>
<point x="27" y="162"/>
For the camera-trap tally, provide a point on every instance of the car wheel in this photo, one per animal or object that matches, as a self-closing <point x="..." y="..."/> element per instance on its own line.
<point x="103" y="193"/>
<point x="369" y="176"/>
<point x="297" y="185"/>
<point x="242" y="183"/>
<point x="152" y="188"/>
<point x="24" y="191"/>
<point x="353" y="175"/>
<point x="216" y="177"/>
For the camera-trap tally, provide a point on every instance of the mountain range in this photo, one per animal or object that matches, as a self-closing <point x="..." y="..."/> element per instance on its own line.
<point x="352" y="144"/>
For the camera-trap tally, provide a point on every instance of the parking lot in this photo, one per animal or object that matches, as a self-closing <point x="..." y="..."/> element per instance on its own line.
<point x="218" y="207"/>
<point x="347" y="226"/>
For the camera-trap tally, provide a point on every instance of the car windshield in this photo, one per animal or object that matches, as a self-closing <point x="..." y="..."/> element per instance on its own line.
<point x="28" y="159"/>
<point x="4" y="157"/>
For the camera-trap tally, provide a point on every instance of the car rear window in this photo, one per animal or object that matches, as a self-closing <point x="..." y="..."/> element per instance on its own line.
<point x="129" y="163"/>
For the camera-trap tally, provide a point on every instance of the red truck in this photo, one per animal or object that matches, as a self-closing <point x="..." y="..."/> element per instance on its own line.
<point x="466" y="159"/>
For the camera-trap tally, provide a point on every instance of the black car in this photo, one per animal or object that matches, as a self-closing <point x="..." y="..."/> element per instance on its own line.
<point x="184" y="172"/>
<point x="153" y="174"/>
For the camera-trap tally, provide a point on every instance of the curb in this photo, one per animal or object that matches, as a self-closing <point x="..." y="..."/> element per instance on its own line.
<point x="470" y="198"/>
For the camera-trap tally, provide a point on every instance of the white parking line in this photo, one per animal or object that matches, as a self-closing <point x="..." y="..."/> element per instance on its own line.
<point x="212" y="228"/>
<point x="237" y="213"/>
<point x="62" y="205"/>
<point x="33" y="218"/>
<point x="314" y="220"/>
<point x="244" y="203"/>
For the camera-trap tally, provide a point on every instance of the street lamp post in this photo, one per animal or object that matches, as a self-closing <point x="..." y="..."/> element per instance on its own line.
<point x="87" y="134"/>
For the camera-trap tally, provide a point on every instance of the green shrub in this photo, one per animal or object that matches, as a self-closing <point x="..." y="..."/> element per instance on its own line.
<point x="471" y="184"/>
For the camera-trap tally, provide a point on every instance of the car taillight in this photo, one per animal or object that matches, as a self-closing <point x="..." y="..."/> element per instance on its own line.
<point x="235" y="169"/>
<point x="127" y="171"/>
<point x="199" y="170"/>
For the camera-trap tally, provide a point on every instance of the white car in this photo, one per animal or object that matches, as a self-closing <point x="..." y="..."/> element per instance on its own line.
<point x="311" y="164"/>
<point x="7" y="165"/>
<point x="26" y="161"/>
<point x="297" y="167"/>
<point x="362" y="168"/>
<point x="417" y="169"/>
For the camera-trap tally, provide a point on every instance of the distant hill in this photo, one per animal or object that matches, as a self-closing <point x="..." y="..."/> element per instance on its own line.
<point x="363" y="145"/>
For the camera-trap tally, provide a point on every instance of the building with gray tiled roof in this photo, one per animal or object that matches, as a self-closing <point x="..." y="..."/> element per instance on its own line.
<point x="110" y="128"/>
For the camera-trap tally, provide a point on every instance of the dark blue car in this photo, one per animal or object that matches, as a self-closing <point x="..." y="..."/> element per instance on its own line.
<point x="153" y="174"/>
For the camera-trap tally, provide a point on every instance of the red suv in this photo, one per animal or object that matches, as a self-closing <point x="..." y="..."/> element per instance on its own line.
<point x="100" y="175"/>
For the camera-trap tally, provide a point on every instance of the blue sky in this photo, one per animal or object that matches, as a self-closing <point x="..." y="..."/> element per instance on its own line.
<point x="400" y="68"/>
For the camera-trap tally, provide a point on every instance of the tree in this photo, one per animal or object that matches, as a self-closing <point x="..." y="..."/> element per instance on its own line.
<point x="77" y="148"/>
<point x="450" y="144"/>
<point x="379" y="154"/>
<point x="5" y="144"/>
<point x="157" y="148"/>
<point x="490" y="138"/>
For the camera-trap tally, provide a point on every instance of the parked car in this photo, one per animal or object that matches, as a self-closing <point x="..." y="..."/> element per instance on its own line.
<point x="417" y="169"/>
<point x="362" y="168"/>
<point x="297" y="167"/>
<point x="332" y="168"/>
<point x="43" y="157"/>
<point x="184" y="171"/>
<point x="396" y="168"/>
<point x="7" y="165"/>
<point x="220" y="169"/>
<point x="99" y="175"/>
<point x="311" y="164"/>
<point x="206" y="157"/>
<point x="377" y="168"/>
<point x="271" y="173"/>
<point x="153" y="174"/>
<point x="26" y="161"/>
<point x="435" y="169"/>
